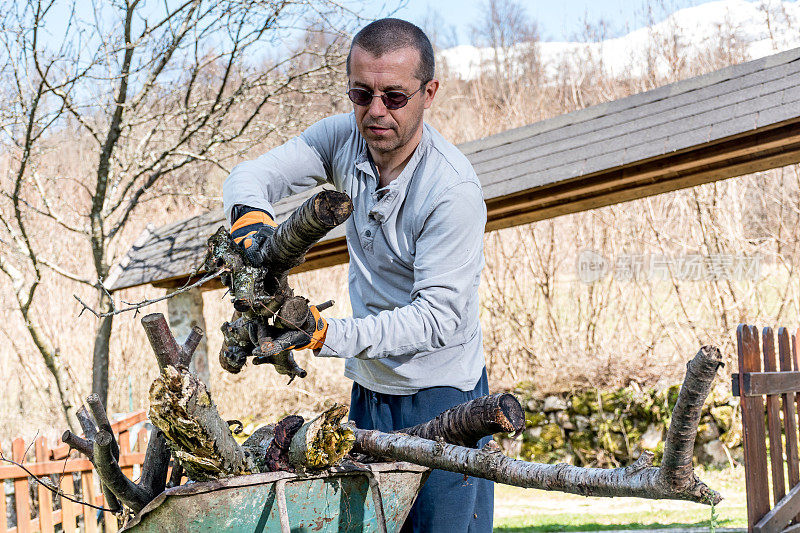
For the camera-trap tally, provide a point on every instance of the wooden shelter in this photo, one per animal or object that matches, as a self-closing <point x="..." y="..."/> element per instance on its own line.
<point x="735" y="121"/>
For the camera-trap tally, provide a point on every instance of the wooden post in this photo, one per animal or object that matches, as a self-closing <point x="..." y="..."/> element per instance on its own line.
<point x="68" y="508"/>
<point x="89" y="514"/>
<point x="21" y="489"/>
<point x="755" y="450"/>
<point x="184" y="312"/>
<point x="787" y="345"/>
<point x="141" y="441"/>
<point x="125" y="449"/>
<point x="45" y="496"/>
<point x="773" y="419"/>
<point x="789" y="414"/>
<point x="3" y="513"/>
<point x="110" y="522"/>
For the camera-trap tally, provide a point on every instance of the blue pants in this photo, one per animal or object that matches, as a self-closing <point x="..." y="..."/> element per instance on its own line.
<point x="448" y="502"/>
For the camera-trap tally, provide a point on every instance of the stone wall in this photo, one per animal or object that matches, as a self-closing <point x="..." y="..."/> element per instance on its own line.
<point x="608" y="429"/>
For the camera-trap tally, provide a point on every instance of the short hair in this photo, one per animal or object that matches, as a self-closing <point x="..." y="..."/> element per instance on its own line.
<point x="387" y="35"/>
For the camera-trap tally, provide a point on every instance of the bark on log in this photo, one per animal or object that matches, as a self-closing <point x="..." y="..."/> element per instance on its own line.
<point x="262" y="294"/>
<point x="181" y="407"/>
<point x="156" y="464"/>
<point x="101" y="419"/>
<point x="90" y="432"/>
<point x="469" y="422"/>
<point x="305" y="227"/>
<point x="674" y="479"/>
<point x="128" y="492"/>
<point x="86" y="422"/>
<point x="269" y="445"/>
<point x="201" y="441"/>
<point x="75" y="442"/>
<point x="102" y="449"/>
<point x="176" y="475"/>
<point x="166" y="350"/>
<point x="154" y="470"/>
<point x="190" y="345"/>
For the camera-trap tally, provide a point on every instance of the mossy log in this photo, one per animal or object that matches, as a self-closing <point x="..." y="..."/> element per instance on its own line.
<point x="182" y="408"/>
<point x="321" y="442"/>
<point x="265" y="303"/>
<point x="202" y="442"/>
<point x="674" y="479"/>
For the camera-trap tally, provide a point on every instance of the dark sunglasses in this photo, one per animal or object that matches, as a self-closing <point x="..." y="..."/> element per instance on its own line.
<point x="391" y="99"/>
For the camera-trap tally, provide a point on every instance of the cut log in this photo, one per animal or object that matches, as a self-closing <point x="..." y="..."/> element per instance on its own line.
<point x="182" y="408"/>
<point x="322" y="442"/>
<point x="469" y="422"/>
<point x="269" y="445"/>
<point x="202" y="442"/>
<point x="102" y="449"/>
<point x="305" y="227"/>
<point x="674" y="479"/>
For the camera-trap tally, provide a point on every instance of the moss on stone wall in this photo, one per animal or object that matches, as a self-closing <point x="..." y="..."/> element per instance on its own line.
<point x="612" y="428"/>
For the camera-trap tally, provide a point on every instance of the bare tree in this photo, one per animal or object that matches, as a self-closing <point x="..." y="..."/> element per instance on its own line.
<point x="441" y="34"/>
<point x="503" y="26"/>
<point x="147" y="92"/>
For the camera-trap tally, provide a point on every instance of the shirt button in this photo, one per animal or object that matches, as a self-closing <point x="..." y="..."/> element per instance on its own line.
<point x="368" y="233"/>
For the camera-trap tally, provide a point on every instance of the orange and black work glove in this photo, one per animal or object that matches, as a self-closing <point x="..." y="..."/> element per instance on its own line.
<point x="311" y="335"/>
<point x="250" y="230"/>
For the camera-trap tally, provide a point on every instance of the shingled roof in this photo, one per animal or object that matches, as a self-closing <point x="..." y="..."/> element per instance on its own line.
<point x="734" y="121"/>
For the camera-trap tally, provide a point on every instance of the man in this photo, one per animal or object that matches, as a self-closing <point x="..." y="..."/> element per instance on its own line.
<point x="415" y="238"/>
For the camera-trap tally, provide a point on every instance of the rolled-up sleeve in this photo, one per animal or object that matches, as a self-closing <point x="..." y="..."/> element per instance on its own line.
<point x="447" y="266"/>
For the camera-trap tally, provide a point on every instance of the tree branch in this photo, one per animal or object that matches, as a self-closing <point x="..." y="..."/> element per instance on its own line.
<point x="469" y="422"/>
<point x="46" y="484"/>
<point x="145" y="303"/>
<point x="674" y="479"/>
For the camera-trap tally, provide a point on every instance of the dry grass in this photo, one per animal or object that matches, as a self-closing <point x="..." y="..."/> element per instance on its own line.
<point x="541" y="323"/>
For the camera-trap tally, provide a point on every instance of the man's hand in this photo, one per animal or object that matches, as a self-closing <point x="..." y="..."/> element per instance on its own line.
<point x="311" y="335"/>
<point x="250" y="231"/>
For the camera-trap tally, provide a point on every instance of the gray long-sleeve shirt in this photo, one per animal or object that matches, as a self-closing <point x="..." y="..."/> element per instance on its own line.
<point x="416" y="253"/>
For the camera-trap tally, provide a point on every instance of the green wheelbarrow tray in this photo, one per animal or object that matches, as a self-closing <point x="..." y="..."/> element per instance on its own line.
<point x="364" y="498"/>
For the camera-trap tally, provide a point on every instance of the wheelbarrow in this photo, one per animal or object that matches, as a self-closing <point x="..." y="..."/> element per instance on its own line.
<point x="353" y="498"/>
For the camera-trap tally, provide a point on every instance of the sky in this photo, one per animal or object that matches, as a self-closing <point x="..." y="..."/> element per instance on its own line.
<point x="560" y="20"/>
<point x="557" y="20"/>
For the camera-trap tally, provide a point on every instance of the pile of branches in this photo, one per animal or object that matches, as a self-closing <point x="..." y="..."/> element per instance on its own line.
<point x="189" y="428"/>
<point x="192" y="438"/>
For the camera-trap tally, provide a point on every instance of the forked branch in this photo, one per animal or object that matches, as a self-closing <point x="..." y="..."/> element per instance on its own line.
<point x="102" y="449"/>
<point x="674" y="479"/>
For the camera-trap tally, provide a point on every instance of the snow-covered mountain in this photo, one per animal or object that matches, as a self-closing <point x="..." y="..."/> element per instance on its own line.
<point x="760" y="27"/>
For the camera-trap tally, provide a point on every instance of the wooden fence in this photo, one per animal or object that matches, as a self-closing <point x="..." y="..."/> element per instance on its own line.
<point x="779" y="384"/>
<point x="35" y="508"/>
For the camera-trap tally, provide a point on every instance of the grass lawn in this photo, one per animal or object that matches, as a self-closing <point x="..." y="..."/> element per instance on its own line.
<point x="525" y="510"/>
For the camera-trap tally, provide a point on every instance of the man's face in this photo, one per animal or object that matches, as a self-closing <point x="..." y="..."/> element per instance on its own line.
<point x="389" y="130"/>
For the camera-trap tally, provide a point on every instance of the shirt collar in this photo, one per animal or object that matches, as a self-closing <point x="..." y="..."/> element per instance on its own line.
<point x="387" y="203"/>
